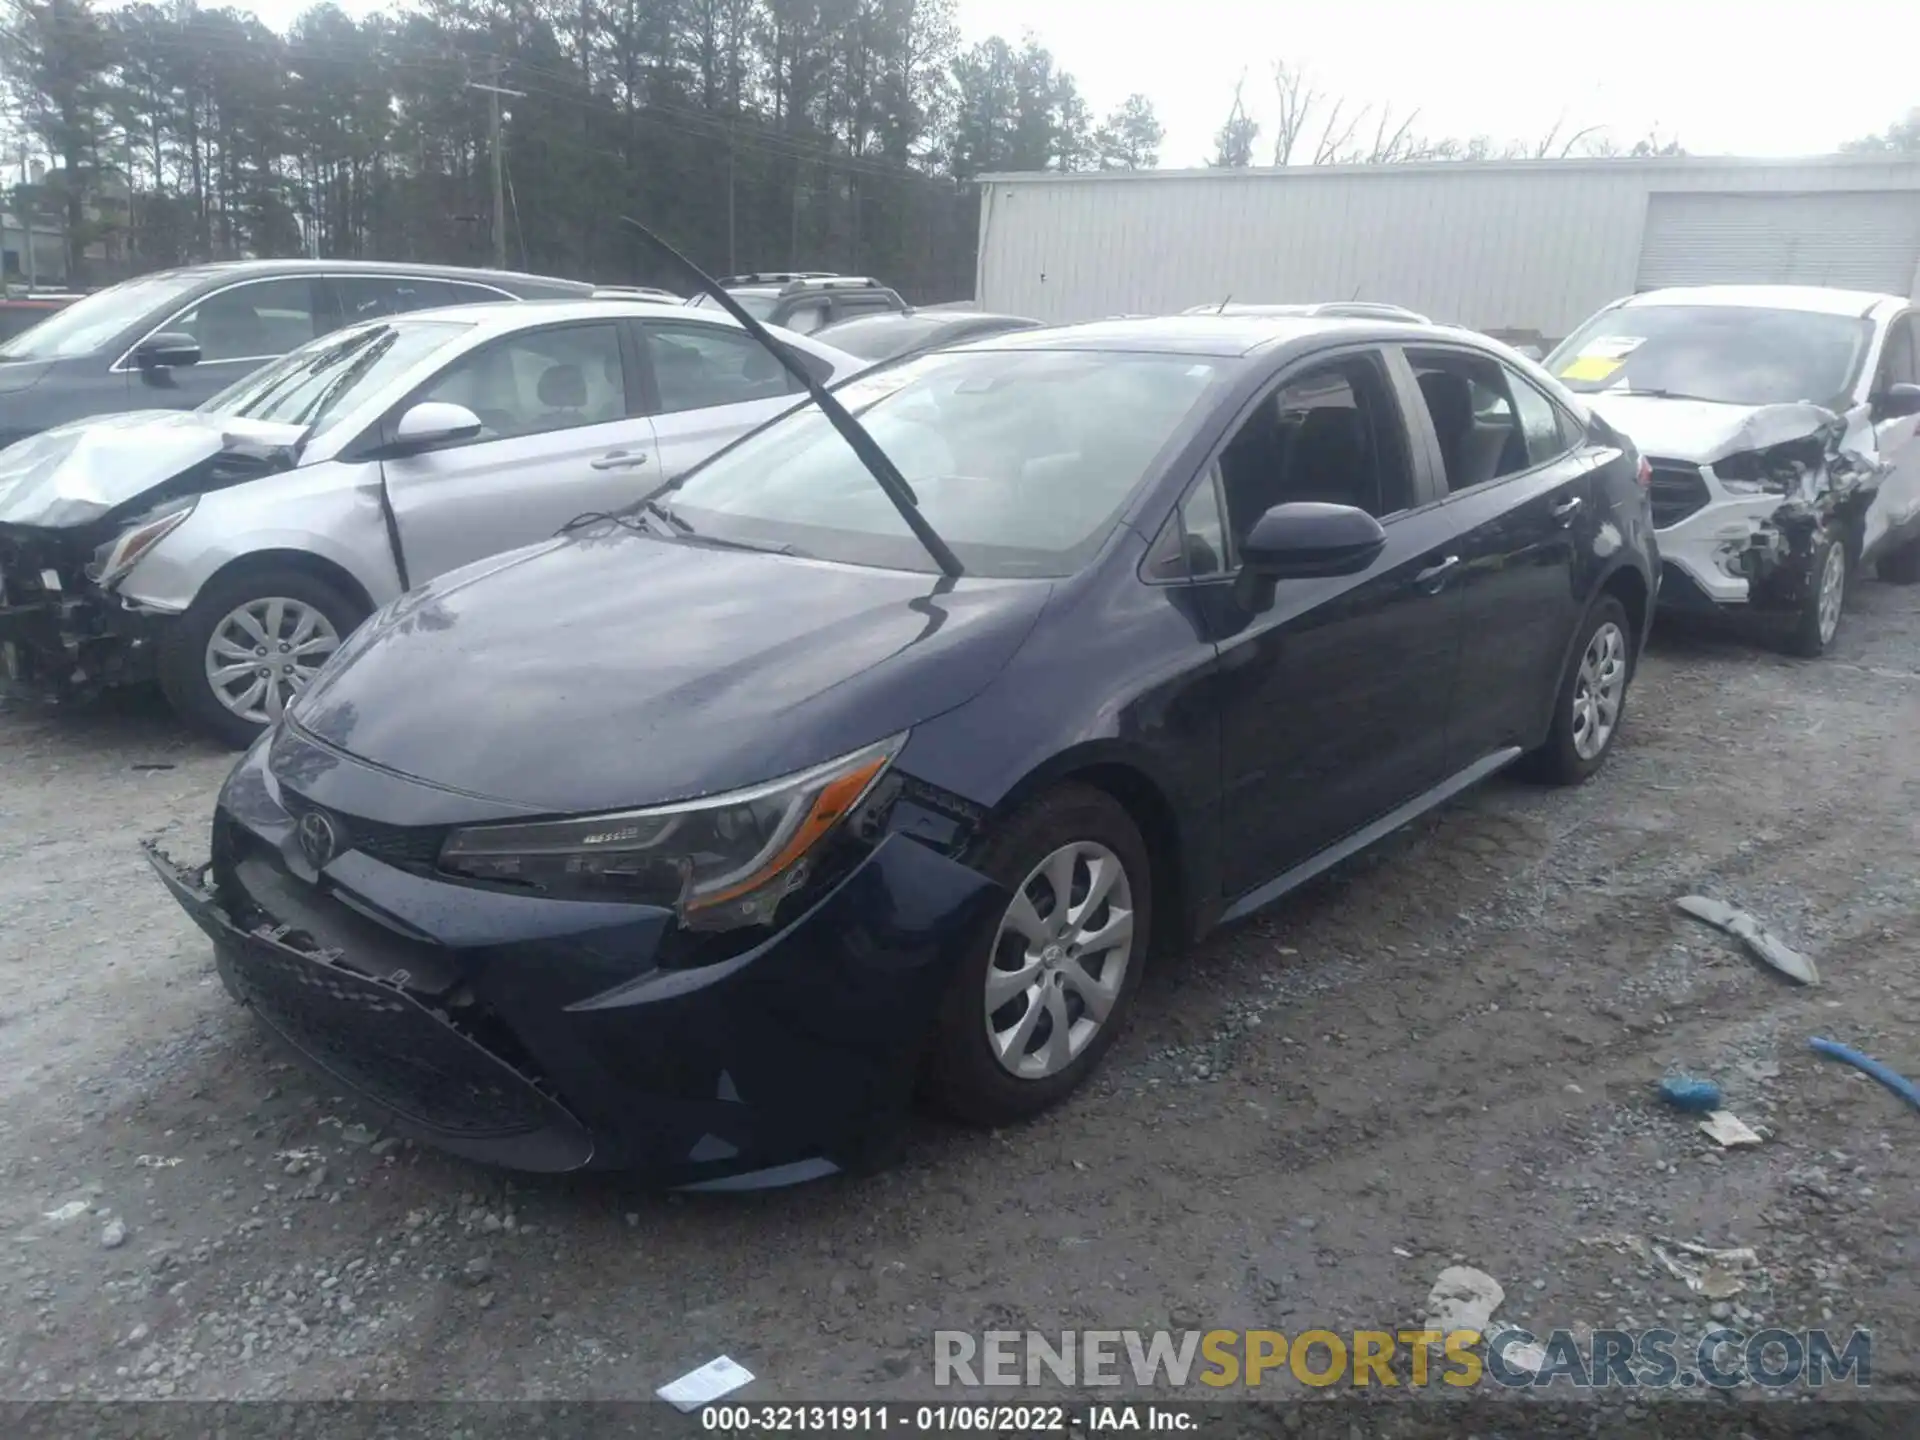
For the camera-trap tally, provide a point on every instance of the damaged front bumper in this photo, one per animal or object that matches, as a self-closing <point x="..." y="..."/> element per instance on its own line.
<point x="62" y="638"/>
<point x="548" y="1034"/>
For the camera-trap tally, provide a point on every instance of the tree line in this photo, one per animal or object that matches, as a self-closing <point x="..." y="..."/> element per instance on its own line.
<point x="754" y="134"/>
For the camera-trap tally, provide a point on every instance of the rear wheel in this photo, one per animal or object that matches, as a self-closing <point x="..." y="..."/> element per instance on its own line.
<point x="248" y="644"/>
<point x="1592" y="700"/>
<point x="1044" y="988"/>
<point x="1817" y="621"/>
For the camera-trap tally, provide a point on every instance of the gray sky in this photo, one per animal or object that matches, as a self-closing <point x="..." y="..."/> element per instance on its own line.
<point x="1722" y="78"/>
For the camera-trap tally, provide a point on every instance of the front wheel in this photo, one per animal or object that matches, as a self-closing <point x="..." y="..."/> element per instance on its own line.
<point x="1817" y="621"/>
<point x="248" y="644"/>
<point x="1044" y="988"/>
<point x="1592" y="700"/>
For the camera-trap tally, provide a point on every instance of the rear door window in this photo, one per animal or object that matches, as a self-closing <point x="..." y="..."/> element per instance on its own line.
<point x="539" y="381"/>
<point x="699" y="366"/>
<point x="371" y="297"/>
<point x="1470" y="400"/>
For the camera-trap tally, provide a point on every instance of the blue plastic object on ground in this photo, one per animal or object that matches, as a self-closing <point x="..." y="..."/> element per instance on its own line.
<point x="1697" y="1097"/>
<point x="1892" y="1079"/>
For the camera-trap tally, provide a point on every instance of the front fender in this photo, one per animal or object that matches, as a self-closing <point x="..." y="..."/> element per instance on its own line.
<point x="344" y="527"/>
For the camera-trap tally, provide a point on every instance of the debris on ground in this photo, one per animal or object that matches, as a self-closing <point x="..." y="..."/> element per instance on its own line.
<point x="1749" y="931"/>
<point x="1696" y="1097"/>
<point x="719" y="1376"/>
<point x="476" y="1272"/>
<point x="114" y="1236"/>
<point x="1890" y="1078"/>
<point x="1462" y="1298"/>
<point x="69" y="1211"/>
<point x="1715" y="1274"/>
<point x="155" y="1162"/>
<point x="1728" y="1130"/>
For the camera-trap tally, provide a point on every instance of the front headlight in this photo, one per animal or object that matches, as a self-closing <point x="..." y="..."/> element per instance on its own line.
<point x="720" y="862"/>
<point x="123" y="552"/>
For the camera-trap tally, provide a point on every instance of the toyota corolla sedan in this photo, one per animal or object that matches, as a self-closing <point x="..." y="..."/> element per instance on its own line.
<point x="227" y="550"/>
<point x="700" y="841"/>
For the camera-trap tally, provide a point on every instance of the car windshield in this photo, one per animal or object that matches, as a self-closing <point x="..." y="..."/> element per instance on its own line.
<point x="1736" y="355"/>
<point x="1021" y="459"/>
<point x="90" y="323"/>
<point x="758" y="306"/>
<point x="326" y="378"/>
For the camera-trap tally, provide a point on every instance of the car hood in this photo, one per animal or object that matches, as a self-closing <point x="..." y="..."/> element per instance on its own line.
<point x="1703" y="432"/>
<point x="597" y="673"/>
<point x="76" y="473"/>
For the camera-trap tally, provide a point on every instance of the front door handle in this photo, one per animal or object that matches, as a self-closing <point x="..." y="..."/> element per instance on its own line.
<point x="620" y="460"/>
<point x="1430" y="578"/>
<point x="1564" y="511"/>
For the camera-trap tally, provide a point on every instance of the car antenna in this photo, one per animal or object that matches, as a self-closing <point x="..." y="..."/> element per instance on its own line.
<point x="1224" y="303"/>
<point x="883" y="470"/>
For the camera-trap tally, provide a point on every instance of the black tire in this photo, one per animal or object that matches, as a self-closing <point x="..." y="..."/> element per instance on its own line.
<point x="1559" y="761"/>
<point x="183" y="648"/>
<point x="1902" y="566"/>
<point x="963" y="1076"/>
<point x="1803" y="636"/>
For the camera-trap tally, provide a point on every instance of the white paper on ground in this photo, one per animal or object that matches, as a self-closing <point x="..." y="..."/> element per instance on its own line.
<point x="719" y="1376"/>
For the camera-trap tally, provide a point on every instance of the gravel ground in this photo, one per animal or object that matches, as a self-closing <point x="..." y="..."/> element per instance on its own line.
<point x="1446" y="1052"/>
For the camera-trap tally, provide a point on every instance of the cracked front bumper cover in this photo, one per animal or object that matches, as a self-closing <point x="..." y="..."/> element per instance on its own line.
<point x="545" y="1034"/>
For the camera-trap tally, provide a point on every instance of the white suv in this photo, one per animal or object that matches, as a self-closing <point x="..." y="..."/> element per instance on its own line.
<point x="1782" y="424"/>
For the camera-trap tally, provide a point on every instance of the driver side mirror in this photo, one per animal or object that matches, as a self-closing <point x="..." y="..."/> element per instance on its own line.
<point x="166" y="351"/>
<point x="1897" y="401"/>
<point x="1308" y="540"/>
<point x="434" y="422"/>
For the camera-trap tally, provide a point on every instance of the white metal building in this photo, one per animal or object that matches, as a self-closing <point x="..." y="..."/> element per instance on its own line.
<point x="1520" y="248"/>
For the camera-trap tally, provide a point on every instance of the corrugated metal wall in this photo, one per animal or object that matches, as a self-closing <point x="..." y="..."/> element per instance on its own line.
<point x="1527" y="247"/>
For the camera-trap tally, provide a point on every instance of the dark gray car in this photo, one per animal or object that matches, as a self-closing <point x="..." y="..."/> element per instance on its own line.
<point x="174" y="338"/>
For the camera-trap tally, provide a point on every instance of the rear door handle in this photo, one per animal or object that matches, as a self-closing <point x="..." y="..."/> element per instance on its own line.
<point x="1431" y="577"/>
<point x="620" y="460"/>
<point x="1564" y="510"/>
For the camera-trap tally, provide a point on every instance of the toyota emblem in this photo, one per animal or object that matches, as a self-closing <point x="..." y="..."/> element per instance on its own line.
<point x="318" y="842"/>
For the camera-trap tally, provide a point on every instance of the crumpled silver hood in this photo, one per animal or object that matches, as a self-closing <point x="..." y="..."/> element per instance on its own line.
<point x="75" y="473"/>
<point x="1703" y="432"/>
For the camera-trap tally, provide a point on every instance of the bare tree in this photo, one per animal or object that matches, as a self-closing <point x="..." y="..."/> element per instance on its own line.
<point x="1298" y="98"/>
<point x="1233" y="144"/>
<point x="1397" y="144"/>
<point x="1543" y="149"/>
<point x="1334" y="138"/>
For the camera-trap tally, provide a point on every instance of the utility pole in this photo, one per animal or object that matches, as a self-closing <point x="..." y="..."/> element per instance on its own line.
<point x="494" y="92"/>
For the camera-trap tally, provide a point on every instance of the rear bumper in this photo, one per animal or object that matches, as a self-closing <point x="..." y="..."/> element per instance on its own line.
<point x="546" y="1035"/>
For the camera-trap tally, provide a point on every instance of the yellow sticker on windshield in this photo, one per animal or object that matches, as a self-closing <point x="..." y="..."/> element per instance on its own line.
<point x="1590" y="367"/>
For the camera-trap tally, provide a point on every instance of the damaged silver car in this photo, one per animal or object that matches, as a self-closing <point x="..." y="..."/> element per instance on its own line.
<point x="1782" y="424"/>
<point x="228" y="551"/>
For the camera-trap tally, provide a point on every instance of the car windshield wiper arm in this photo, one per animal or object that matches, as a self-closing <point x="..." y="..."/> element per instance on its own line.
<point x="883" y="470"/>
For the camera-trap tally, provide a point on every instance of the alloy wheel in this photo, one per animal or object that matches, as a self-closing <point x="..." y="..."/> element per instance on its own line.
<point x="1598" y="689"/>
<point x="1059" y="960"/>
<point x="1833" y="592"/>
<point x="265" y="652"/>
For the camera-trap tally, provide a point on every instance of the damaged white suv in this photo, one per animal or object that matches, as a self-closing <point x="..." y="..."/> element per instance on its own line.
<point x="1782" y="425"/>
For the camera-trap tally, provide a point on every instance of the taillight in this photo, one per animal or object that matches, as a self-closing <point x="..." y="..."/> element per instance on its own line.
<point x="1645" y="474"/>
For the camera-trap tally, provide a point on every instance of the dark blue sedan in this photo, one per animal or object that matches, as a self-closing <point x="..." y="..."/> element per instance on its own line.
<point x="702" y="839"/>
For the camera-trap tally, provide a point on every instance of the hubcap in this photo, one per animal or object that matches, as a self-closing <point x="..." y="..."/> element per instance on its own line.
<point x="264" y="653"/>
<point x="1059" y="959"/>
<point x="1598" y="690"/>
<point x="1833" y="591"/>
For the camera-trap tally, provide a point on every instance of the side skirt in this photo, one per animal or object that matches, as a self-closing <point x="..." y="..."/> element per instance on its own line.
<point x="1360" y="839"/>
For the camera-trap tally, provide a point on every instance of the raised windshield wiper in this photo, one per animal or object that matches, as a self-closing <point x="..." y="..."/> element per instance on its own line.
<point x="883" y="470"/>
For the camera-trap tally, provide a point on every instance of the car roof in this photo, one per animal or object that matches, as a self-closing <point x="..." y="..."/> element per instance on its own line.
<point x="502" y="317"/>
<point x="1816" y="299"/>
<point x="1219" y="335"/>
<point x="243" y="269"/>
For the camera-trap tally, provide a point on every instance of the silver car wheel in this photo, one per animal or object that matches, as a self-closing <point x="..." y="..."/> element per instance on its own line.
<point x="265" y="652"/>
<point x="1059" y="960"/>
<point x="1598" y="689"/>
<point x="1833" y="591"/>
